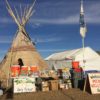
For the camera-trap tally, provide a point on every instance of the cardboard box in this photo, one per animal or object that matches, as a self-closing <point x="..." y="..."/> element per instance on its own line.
<point x="53" y="84"/>
<point x="45" y="83"/>
<point x="69" y="85"/>
<point x="62" y="86"/>
<point x="45" y="88"/>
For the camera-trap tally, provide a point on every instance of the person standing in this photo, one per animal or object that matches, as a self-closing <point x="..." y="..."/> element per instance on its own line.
<point x="20" y="63"/>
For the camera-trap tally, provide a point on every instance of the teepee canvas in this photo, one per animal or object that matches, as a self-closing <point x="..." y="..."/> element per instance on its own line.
<point x="22" y="46"/>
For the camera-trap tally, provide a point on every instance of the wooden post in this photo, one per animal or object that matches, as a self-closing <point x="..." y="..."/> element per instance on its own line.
<point x="85" y="84"/>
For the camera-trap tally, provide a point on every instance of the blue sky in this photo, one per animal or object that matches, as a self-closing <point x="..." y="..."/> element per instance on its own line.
<point x="54" y="26"/>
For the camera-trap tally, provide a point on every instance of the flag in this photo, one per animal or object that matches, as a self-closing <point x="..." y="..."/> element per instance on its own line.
<point x="83" y="29"/>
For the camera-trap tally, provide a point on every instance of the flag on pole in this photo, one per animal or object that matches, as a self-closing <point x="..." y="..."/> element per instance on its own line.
<point x="83" y="29"/>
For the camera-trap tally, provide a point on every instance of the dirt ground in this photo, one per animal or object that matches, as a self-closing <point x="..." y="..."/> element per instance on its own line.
<point x="70" y="94"/>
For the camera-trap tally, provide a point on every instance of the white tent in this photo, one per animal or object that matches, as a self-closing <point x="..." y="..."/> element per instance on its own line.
<point x="92" y="59"/>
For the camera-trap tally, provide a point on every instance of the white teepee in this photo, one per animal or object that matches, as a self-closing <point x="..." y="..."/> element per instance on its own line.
<point x="22" y="46"/>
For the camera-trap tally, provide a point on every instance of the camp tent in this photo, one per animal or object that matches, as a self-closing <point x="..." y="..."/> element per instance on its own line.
<point x="92" y="59"/>
<point x="22" y="46"/>
<point x="59" y="64"/>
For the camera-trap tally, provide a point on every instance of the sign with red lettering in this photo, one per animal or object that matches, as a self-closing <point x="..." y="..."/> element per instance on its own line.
<point x="94" y="80"/>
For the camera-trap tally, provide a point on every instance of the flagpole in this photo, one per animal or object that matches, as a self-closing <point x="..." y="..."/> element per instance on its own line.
<point x="83" y="44"/>
<point x="83" y="31"/>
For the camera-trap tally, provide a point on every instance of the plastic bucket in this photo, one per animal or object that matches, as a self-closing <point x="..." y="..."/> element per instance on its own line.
<point x="75" y="64"/>
<point x="15" y="70"/>
<point x="24" y="70"/>
<point x="33" y="68"/>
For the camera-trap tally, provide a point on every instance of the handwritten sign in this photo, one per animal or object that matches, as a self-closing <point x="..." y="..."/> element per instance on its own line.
<point x="94" y="80"/>
<point x="24" y="84"/>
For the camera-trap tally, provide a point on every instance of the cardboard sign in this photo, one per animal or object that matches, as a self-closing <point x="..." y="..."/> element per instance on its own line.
<point x="94" y="81"/>
<point x="24" y="84"/>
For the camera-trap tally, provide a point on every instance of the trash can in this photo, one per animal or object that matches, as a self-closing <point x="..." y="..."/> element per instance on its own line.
<point x="77" y="77"/>
<point x="38" y="83"/>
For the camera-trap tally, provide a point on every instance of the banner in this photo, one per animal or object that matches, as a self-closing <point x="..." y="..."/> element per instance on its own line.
<point x="24" y="84"/>
<point x="94" y="81"/>
<point x="83" y="28"/>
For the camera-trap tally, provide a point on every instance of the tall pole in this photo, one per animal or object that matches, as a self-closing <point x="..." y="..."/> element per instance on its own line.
<point x="83" y="46"/>
<point x="82" y="30"/>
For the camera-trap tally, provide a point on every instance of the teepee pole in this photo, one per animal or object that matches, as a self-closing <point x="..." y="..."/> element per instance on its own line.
<point x="29" y="12"/>
<point x="18" y="17"/>
<point x="12" y="13"/>
<point x="21" y="12"/>
<point x="24" y="12"/>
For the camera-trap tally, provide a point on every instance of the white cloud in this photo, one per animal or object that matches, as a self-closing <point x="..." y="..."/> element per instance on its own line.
<point x="6" y="20"/>
<point x="92" y="15"/>
<point x="42" y="40"/>
<point x="67" y="20"/>
<point x="51" y="50"/>
<point x="73" y="19"/>
<point x="67" y="16"/>
<point x="8" y="39"/>
<point x="35" y="25"/>
<point x="5" y="39"/>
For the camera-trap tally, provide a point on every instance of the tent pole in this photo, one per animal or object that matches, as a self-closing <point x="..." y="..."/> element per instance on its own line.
<point x="9" y="72"/>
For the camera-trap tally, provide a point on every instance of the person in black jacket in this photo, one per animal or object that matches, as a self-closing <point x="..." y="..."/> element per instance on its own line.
<point x="20" y="63"/>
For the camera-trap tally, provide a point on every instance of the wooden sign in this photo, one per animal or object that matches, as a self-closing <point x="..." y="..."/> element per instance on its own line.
<point x="24" y="84"/>
<point x="94" y="82"/>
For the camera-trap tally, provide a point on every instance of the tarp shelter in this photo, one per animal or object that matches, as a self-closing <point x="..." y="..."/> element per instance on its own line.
<point x="92" y="59"/>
